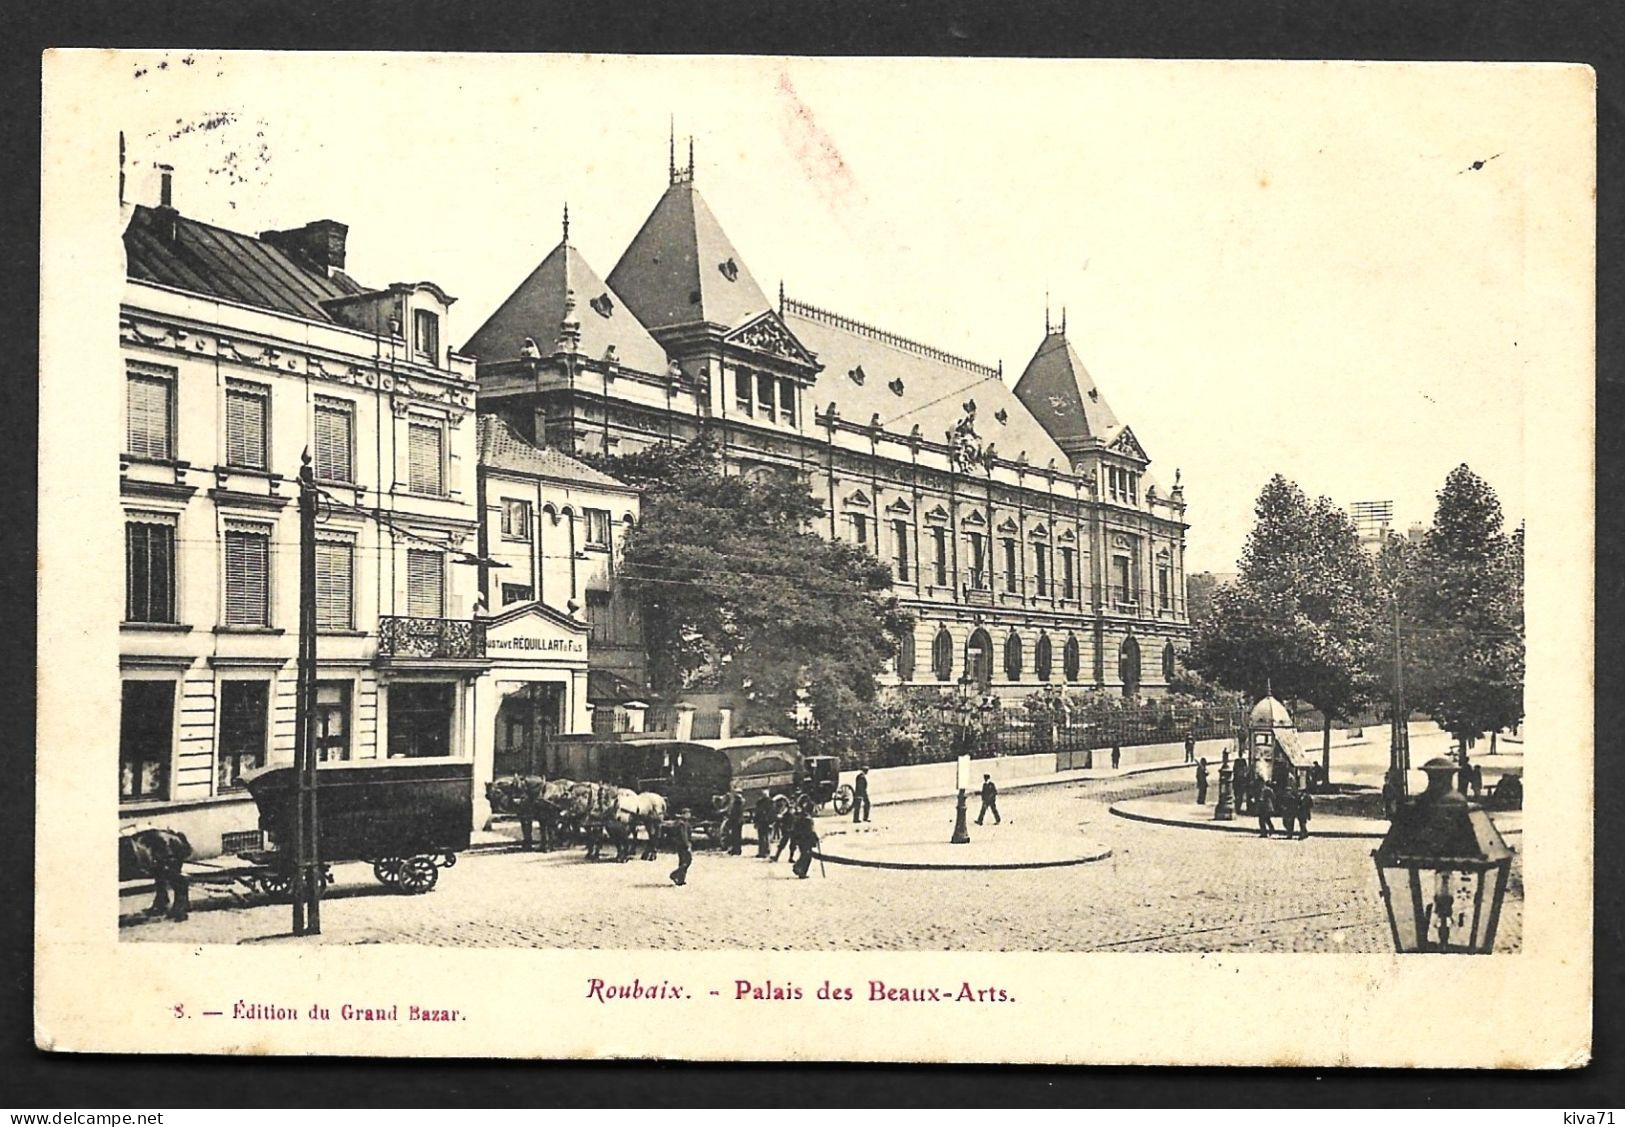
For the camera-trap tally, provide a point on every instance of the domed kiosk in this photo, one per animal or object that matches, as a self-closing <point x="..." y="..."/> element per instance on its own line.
<point x="1275" y="748"/>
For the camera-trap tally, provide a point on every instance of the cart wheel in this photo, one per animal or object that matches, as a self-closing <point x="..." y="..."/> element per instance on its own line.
<point x="276" y="885"/>
<point x="844" y="799"/>
<point x="388" y="870"/>
<point x="418" y="875"/>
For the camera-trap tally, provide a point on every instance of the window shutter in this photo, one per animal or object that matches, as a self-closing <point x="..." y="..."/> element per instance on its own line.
<point x="425" y="453"/>
<point x="147" y="399"/>
<point x="335" y="569"/>
<point x="248" y="580"/>
<point x="425" y="584"/>
<point x="334" y="431"/>
<point x="245" y="426"/>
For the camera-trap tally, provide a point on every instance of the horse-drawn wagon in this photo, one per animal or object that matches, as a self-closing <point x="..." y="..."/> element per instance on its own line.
<point x="407" y="817"/>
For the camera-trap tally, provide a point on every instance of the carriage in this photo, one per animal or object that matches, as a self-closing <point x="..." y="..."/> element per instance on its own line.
<point x="407" y="817"/>
<point x="701" y="774"/>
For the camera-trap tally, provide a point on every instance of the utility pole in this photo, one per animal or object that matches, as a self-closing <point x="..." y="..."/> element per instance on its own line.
<point x="1399" y="740"/>
<point x="307" y="877"/>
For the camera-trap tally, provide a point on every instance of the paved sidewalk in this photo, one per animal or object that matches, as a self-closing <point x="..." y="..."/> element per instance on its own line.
<point x="1189" y="815"/>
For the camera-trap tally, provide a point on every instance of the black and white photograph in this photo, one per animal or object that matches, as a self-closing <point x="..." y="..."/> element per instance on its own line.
<point x="852" y="545"/>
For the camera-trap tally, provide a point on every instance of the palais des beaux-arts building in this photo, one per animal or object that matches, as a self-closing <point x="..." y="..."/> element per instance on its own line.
<point x="466" y="591"/>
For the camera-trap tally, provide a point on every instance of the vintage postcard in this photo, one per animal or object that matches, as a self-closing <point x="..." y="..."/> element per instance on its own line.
<point x="816" y="559"/>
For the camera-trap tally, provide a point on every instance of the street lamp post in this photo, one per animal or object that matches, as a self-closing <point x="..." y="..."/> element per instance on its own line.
<point x="1443" y="869"/>
<point x="1225" y="811"/>
<point x="307" y="874"/>
<point x="961" y="834"/>
<point x="1399" y="739"/>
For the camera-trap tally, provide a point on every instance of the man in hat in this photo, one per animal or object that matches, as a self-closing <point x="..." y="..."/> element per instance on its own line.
<point x="736" y="823"/>
<point x="1201" y="782"/>
<point x="762" y="817"/>
<point x="990" y="801"/>
<point x="685" y="850"/>
<point x="1305" y="807"/>
<point x="787" y="832"/>
<point x="806" y="841"/>
<point x="860" y="796"/>
<point x="1264" y="804"/>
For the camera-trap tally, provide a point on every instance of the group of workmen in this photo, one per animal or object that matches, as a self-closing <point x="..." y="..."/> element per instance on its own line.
<point x="1256" y="795"/>
<point x="777" y="830"/>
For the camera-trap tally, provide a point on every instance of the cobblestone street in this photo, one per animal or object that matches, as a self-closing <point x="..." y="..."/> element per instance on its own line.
<point x="1162" y="889"/>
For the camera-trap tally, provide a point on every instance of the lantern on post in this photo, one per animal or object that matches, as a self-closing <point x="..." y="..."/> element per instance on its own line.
<point x="1443" y="869"/>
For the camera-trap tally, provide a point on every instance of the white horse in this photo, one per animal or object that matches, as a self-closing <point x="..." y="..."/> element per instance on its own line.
<point x="646" y="809"/>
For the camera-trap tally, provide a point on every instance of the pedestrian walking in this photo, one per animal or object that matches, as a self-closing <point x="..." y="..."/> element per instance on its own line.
<point x="1190" y="750"/>
<point x="990" y="801"/>
<point x="1264" y="803"/>
<point x="736" y="824"/>
<point x="1289" y="810"/>
<point x="1306" y="806"/>
<point x="1117" y="756"/>
<point x="762" y="816"/>
<point x="1201" y="783"/>
<point x="787" y="835"/>
<point x="806" y="841"/>
<point x="860" y="796"/>
<point x="685" y="851"/>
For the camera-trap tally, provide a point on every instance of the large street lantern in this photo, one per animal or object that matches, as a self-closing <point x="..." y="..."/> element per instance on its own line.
<point x="1443" y="869"/>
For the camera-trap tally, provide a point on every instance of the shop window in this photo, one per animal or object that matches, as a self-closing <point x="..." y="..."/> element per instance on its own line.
<point x="243" y="709"/>
<point x="420" y="717"/>
<point x="149" y="572"/>
<point x="146" y="734"/>
<point x="332" y="721"/>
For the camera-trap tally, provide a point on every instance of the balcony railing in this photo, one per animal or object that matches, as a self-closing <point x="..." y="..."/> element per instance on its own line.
<point x="404" y="636"/>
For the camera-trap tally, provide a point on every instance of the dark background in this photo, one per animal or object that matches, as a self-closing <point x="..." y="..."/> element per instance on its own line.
<point x="1380" y="29"/>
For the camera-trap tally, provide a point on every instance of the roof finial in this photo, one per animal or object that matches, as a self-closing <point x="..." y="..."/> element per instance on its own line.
<point x="566" y="238"/>
<point x="671" y="163"/>
<point x="691" y="157"/>
<point x="1063" y="320"/>
<point x="1046" y="312"/>
<point x="781" y="297"/>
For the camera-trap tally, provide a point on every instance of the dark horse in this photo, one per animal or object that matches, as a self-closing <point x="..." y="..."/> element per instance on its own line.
<point x="159" y="854"/>
<point x="534" y="800"/>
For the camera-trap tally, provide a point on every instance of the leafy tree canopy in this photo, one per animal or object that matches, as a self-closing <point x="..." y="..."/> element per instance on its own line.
<point x="736" y="590"/>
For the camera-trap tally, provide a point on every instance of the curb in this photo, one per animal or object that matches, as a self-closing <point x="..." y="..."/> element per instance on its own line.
<point x="943" y="866"/>
<point x="1230" y="827"/>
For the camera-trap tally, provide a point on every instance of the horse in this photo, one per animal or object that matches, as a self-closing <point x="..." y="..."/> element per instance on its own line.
<point x="593" y="808"/>
<point x="533" y="799"/>
<point x="158" y="853"/>
<point x="645" y="809"/>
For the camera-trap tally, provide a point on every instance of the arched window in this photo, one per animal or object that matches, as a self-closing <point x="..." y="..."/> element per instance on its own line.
<point x="1012" y="656"/>
<point x="942" y="655"/>
<point x="1070" y="659"/>
<point x="979" y="658"/>
<point x="905" y="656"/>
<point x="1128" y="666"/>
<point x="1168" y="662"/>
<point x="1041" y="658"/>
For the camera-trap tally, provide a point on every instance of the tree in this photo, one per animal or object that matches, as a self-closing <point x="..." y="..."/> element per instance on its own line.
<point x="734" y="588"/>
<point x="1199" y="590"/>
<point x="1464" y="609"/>
<point x="1300" y="621"/>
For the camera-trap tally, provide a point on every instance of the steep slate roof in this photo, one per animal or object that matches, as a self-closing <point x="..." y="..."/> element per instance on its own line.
<point x="502" y="449"/>
<point x="680" y="252"/>
<point x="1059" y="392"/>
<point x="210" y="260"/>
<point x="536" y="310"/>
<point x="934" y="388"/>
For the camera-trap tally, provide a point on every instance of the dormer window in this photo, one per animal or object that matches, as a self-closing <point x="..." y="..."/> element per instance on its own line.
<point x="857" y="375"/>
<point x="1002" y="415"/>
<point x="602" y="305"/>
<point x="730" y="269"/>
<point x="896" y="386"/>
<point x="426" y="334"/>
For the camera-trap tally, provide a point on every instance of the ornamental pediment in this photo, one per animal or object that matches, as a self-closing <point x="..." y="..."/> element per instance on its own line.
<point x="1126" y="443"/>
<point x="767" y="334"/>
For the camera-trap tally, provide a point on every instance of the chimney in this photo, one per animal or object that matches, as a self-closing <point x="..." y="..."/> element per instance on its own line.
<point x="319" y="244"/>
<point x="166" y="206"/>
<point x="538" y="427"/>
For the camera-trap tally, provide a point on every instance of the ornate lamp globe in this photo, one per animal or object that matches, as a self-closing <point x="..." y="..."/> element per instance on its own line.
<point x="1443" y="869"/>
